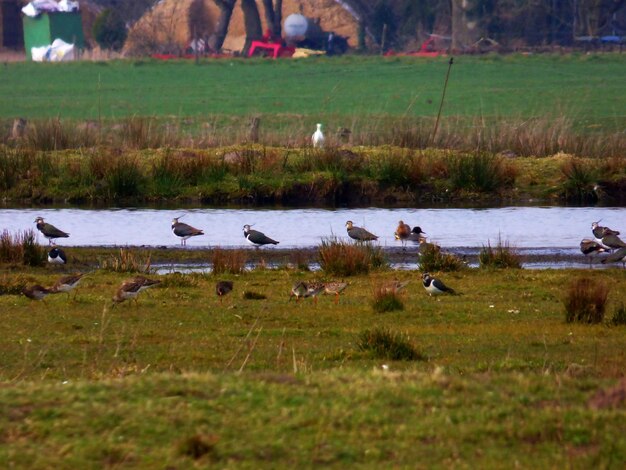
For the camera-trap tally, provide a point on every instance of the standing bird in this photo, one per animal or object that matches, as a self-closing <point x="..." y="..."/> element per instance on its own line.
<point x="36" y="292"/>
<point x="426" y="247"/>
<point x="223" y="288"/>
<point x="66" y="283"/>
<point x="416" y="235"/>
<point x="257" y="238"/>
<point x="335" y="288"/>
<point x="303" y="289"/>
<point x="57" y="256"/>
<point x="358" y="233"/>
<point x="599" y="232"/>
<point x="318" y="138"/>
<point x="590" y="247"/>
<point x="612" y="241"/>
<point x="435" y="286"/>
<point x="131" y="288"/>
<point x="184" y="231"/>
<point x="402" y="232"/>
<point x="619" y="255"/>
<point x="394" y="287"/>
<point x="49" y="231"/>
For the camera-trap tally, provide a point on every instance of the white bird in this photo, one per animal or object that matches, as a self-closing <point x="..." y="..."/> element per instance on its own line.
<point x="318" y="137"/>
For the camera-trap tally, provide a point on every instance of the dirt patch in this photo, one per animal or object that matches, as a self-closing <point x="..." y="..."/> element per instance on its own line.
<point x="613" y="397"/>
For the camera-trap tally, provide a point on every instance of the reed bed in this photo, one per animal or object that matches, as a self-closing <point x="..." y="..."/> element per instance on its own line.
<point x="228" y="261"/>
<point x="127" y="261"/>
<point x="586" y="300"/>
<point x="339" y="258"/>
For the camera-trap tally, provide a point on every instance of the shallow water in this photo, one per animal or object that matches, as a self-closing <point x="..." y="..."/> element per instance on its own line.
<point x="545" y="229"/>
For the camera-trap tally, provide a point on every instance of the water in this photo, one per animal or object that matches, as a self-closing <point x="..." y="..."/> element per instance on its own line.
<point x="542" y="229"/>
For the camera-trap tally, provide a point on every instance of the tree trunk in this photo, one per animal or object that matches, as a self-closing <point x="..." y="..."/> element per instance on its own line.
<point x="252" y="22"/>
<point x="221" y="29"/>
<point x="273" y="16"/>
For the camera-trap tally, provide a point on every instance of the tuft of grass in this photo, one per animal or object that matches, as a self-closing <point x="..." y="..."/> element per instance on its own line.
<point x="228" y="261"/>
<point x="251" y="295"/>
<point x="431" y="259"/>
<point x="579" y="179"/>
<point x="386" y="300"/>
<point x="619" y="317"/>
<point x="127" y="261"/>
<point x="124" y="178"/>
<point x="198" y="446"/>
<point x="339" y="258"/>
<point x="502" y="256"/>
<point x="481" y="172"/>
<point x="21" y="248"/>
<point x="585" y="300"/>
<point x="386" y="344"/>
<point x="12" y="285"/>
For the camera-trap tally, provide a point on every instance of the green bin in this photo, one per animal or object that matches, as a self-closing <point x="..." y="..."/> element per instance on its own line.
<point x="46" y="27"/>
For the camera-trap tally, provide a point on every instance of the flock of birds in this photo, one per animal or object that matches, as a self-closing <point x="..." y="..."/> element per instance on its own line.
<point x="130" y="288"/>
<point x="607" y="241"/>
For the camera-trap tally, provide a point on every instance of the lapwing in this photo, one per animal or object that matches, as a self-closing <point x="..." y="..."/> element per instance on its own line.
<point x="303" y="289"/>
<point x="358" y="233"/>
<point x="599" y="232"/>
<point x="36" y="292"/>
<point x="434" y="286"/>
<point x="49" y="231"/>
<point x="184" y="231"/>
<point x="317" y="139"/>
<point x="619" y="255"/>
<point x="130" y="288"/>
<point x="416" y="235"/>
<point x="57" y="256"/>
<point x="66" y="284"/>
<point x="591" y="247"/>
<point x="335" y="288"/>
<point x="257" y="238"/>
<point x="223" y="288"/>
<point x="612" y="241"/>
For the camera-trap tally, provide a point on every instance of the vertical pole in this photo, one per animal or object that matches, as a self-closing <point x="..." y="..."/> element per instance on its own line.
<point x="383" y="40"/>
<point x="443" y="95"/>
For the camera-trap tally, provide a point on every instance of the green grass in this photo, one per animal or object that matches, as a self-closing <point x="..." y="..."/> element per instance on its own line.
<point x="337" y="91"/>
<point x="267" y="383"/>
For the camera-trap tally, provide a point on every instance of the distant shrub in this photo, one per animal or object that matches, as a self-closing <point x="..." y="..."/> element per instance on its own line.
<point x="502" y="256"/>
<point x="431" y="259"/>
<point x="228" y="261"/>
<point x="585" y="301"/>
<point x="386" y="344"/>
<point x="340" y="258"/>
<point x="109" y="30"/>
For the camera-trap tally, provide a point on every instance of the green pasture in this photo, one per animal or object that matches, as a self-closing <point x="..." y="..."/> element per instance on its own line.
<point x="181" y="380"/>
<point x="588" y="89"/>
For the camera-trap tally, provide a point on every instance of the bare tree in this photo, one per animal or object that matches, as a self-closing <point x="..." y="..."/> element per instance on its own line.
<point x="252" y="22"/>
<point x="273" y="16"/>
<point x="221" y="28"/>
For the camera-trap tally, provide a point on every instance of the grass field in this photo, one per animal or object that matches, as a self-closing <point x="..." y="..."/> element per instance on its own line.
<point x="339" y="92"/>
<point x="181" y="379"/>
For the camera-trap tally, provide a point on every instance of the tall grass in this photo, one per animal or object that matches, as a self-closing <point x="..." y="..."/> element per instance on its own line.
<point x="480" y="172"/>
<point x="585" y="300"/>
<point x="579" y="179"/>
<point x="384" y="343"/>
<point x="127" y="261"/>
<point x="339" y="258"/>
<point x="386" y="300"/>
<point x="228" y="261"/>
<point x="21" y="248"/>
<point x="431" y="259"/>
<point x="500" y="256"/>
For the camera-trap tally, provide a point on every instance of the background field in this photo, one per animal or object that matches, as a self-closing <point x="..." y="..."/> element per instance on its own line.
<point x="587" y="89"/>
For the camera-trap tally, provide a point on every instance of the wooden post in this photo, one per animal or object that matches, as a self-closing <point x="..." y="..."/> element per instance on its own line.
<point x="383" y="40"/>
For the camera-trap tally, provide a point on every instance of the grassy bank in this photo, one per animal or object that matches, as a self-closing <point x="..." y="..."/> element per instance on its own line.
<point x="255" y="174"/>
<point x="500" y="375"/>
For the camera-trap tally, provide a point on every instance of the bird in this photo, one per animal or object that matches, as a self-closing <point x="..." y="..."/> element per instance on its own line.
<point x="402" y="231"/>
<point x="36" y="292"/>
<point x="49" y="231"/>
<point x="619" y="255"/>
<point x="599" y="232"/>
<point x="257" y="238"/>
<point x="66" y="283"/>
<point x="318" y="137"/>
<point x="184" y="231"/>
<point x="426" y="247"/>
<point x="394" y="287"/>
<point x="612" y="241"/>
<point x="303" y="289"/>
<point x="223" y="288"/>
<point x="434" y="286"/>
<point x="131" y="288"/>
<point x="590" y="247"/>
<point x="57" y="256"/>
<point x="358" y="233"/>
<point x="416" y="235"/>
<point x="335" y="288"/>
